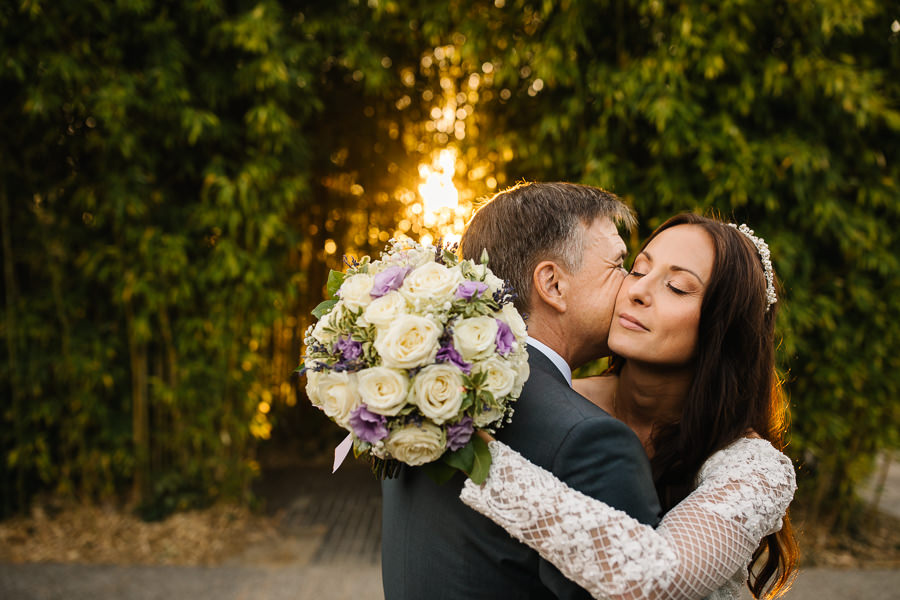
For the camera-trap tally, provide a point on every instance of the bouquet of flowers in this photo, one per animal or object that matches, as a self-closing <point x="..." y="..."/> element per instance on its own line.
<point x="413" y="353"/>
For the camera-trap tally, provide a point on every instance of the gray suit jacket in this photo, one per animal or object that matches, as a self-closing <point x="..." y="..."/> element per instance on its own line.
<point x="435" y="547"/>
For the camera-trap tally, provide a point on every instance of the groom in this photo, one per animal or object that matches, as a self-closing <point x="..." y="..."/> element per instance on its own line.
<point x="558" y="245"/>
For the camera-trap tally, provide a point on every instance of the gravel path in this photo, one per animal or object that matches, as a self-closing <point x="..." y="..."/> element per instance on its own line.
<point x="318" y="582"/>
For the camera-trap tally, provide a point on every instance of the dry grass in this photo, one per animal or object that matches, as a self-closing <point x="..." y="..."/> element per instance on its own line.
<point x="105" y="535"/>
<point x="873" y="544"/>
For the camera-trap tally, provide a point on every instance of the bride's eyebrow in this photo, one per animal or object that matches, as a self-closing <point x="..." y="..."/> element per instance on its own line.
<point x="675" y="267"/>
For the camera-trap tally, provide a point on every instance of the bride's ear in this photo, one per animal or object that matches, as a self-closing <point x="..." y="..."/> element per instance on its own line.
<point x="550" y="285"/>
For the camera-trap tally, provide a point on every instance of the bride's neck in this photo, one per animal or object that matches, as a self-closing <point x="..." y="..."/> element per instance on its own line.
<point x="648" y="396"/>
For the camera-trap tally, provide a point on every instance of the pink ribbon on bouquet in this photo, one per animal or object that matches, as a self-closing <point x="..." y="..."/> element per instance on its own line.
<point x="341" y="452"/>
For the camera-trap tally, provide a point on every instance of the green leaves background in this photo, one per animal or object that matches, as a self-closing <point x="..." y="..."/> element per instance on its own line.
<point x="172" y="173"/>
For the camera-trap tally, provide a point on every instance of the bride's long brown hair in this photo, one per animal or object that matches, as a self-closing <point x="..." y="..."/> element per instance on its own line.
<point x="735" y="389"/>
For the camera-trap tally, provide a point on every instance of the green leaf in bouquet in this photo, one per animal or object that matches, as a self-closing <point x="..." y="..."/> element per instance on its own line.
<point x="439" y="472"/>
<point x="481" y="465"/>
<point x="323" y="308"/>
<point x="450" y="259"/>
<point x="463" y="458"/>
<point x="335" y="281"/>
<point x="411" y="405"/>
<point x="486" y="397"/>
<point x="473" y="459"/>
<point x="468" y="400"/>
<point x="360" y="447"/>
<point x="479" y="378"/>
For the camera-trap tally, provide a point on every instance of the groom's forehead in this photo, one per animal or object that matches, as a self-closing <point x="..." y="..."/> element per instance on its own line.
<point x="606" y="230"/>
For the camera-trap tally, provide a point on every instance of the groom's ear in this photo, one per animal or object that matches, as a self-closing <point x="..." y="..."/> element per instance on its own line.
<point x="550" y="285"/>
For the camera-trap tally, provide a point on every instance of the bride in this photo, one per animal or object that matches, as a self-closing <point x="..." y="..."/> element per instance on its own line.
<point x="694" y="377"/>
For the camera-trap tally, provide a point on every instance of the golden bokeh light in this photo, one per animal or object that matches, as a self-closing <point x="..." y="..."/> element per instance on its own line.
<point x="443" y="215"/>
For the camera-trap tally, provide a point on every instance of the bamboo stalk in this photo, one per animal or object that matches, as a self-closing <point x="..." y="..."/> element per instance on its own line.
<point x="9" y="279"/>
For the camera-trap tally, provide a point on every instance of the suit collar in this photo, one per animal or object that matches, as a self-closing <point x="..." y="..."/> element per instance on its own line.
<point x="546" y="359"/>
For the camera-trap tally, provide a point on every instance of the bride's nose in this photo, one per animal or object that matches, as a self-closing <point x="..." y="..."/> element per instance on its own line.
<point x="639" y="291"/>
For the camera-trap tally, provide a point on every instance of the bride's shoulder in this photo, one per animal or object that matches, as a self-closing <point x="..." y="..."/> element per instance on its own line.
<point x="599" y="389"/>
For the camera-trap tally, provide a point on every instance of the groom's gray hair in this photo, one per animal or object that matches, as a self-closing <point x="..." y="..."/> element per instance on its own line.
<point x="532" y="222"/>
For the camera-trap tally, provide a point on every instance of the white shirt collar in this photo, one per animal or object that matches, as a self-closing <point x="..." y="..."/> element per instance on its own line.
<point x="554" y="357"/>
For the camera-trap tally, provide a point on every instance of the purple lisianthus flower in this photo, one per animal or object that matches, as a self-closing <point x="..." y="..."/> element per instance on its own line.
<point x="505" y="338"/>
<point x="469" y="290"/>
<point x="349" y="349"/>
<point x="459" y="434"/>
<point x="448" y="353"/>
<point x="367" y="425"/>
<point x="388" y="280"/>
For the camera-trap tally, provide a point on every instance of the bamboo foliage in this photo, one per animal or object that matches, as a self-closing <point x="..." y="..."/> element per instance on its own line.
<point x="178" y="179"/>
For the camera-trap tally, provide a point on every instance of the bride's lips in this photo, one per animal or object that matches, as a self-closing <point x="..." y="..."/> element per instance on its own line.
<point x="629" y="322"/>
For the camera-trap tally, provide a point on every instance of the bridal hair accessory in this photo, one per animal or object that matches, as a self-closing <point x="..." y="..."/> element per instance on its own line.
<point x="763" y="248"/>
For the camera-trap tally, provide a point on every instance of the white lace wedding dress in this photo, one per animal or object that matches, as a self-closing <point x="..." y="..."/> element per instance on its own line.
<point x="701" y="548"/>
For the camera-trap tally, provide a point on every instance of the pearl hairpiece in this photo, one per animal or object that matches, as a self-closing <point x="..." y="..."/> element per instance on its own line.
<point x="763" y="248"/>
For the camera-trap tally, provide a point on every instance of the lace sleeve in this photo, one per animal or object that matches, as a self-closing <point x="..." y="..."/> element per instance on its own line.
<point x="700" y="544"/>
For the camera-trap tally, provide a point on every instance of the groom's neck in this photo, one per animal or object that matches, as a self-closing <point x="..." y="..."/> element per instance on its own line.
<point x="552" y="337"/>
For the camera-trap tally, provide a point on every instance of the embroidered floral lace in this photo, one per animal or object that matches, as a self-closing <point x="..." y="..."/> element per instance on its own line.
<point x="701" y="548"/>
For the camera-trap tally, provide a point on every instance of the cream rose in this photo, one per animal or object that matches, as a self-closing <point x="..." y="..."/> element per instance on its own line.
<point x="501" y="377"/>
<point x="483" y="418"/>
<point x="510" y="316"/>
<point x="355" y="290"/>
<point x="323" y="332"/>
<point x="474" y="338"/>
<point x="383" y="390"/>
<point x="411" y="341"/>
<point x="335" y="394"/>
<point x="438" y="392"/>
<point x="381" y="312"/>
<point x="482" y="273"/>
<point x="522" y="370"/>
<point x="417" y="445"/>
<point x="431" y="283"/>
<point x="493" y="282"/>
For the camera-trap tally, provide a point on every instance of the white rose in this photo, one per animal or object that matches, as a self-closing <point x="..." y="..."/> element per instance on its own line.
<point x="501" y="376"/>
<point x="417" y="445"/>
<point x="383" y="311"/>
<point x="312" y="387"/>
<point x="522" y="370"/>
<point x="475" y="338"/>
<point x="482" y="273"/>
<point x="493" y="282"/>
<point x="411" y="341"/>
<point x="431" y="283"/>
<point x="484" y="416"/>
<point x="383" y="390"/>
<point x="438" y="392"/>
<point x="320" y="331"/>
<point x="510" y="316"/>
<point x="355" y="290"/>
<point x="334" y="393"/>
<point x="416" y="257"/>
